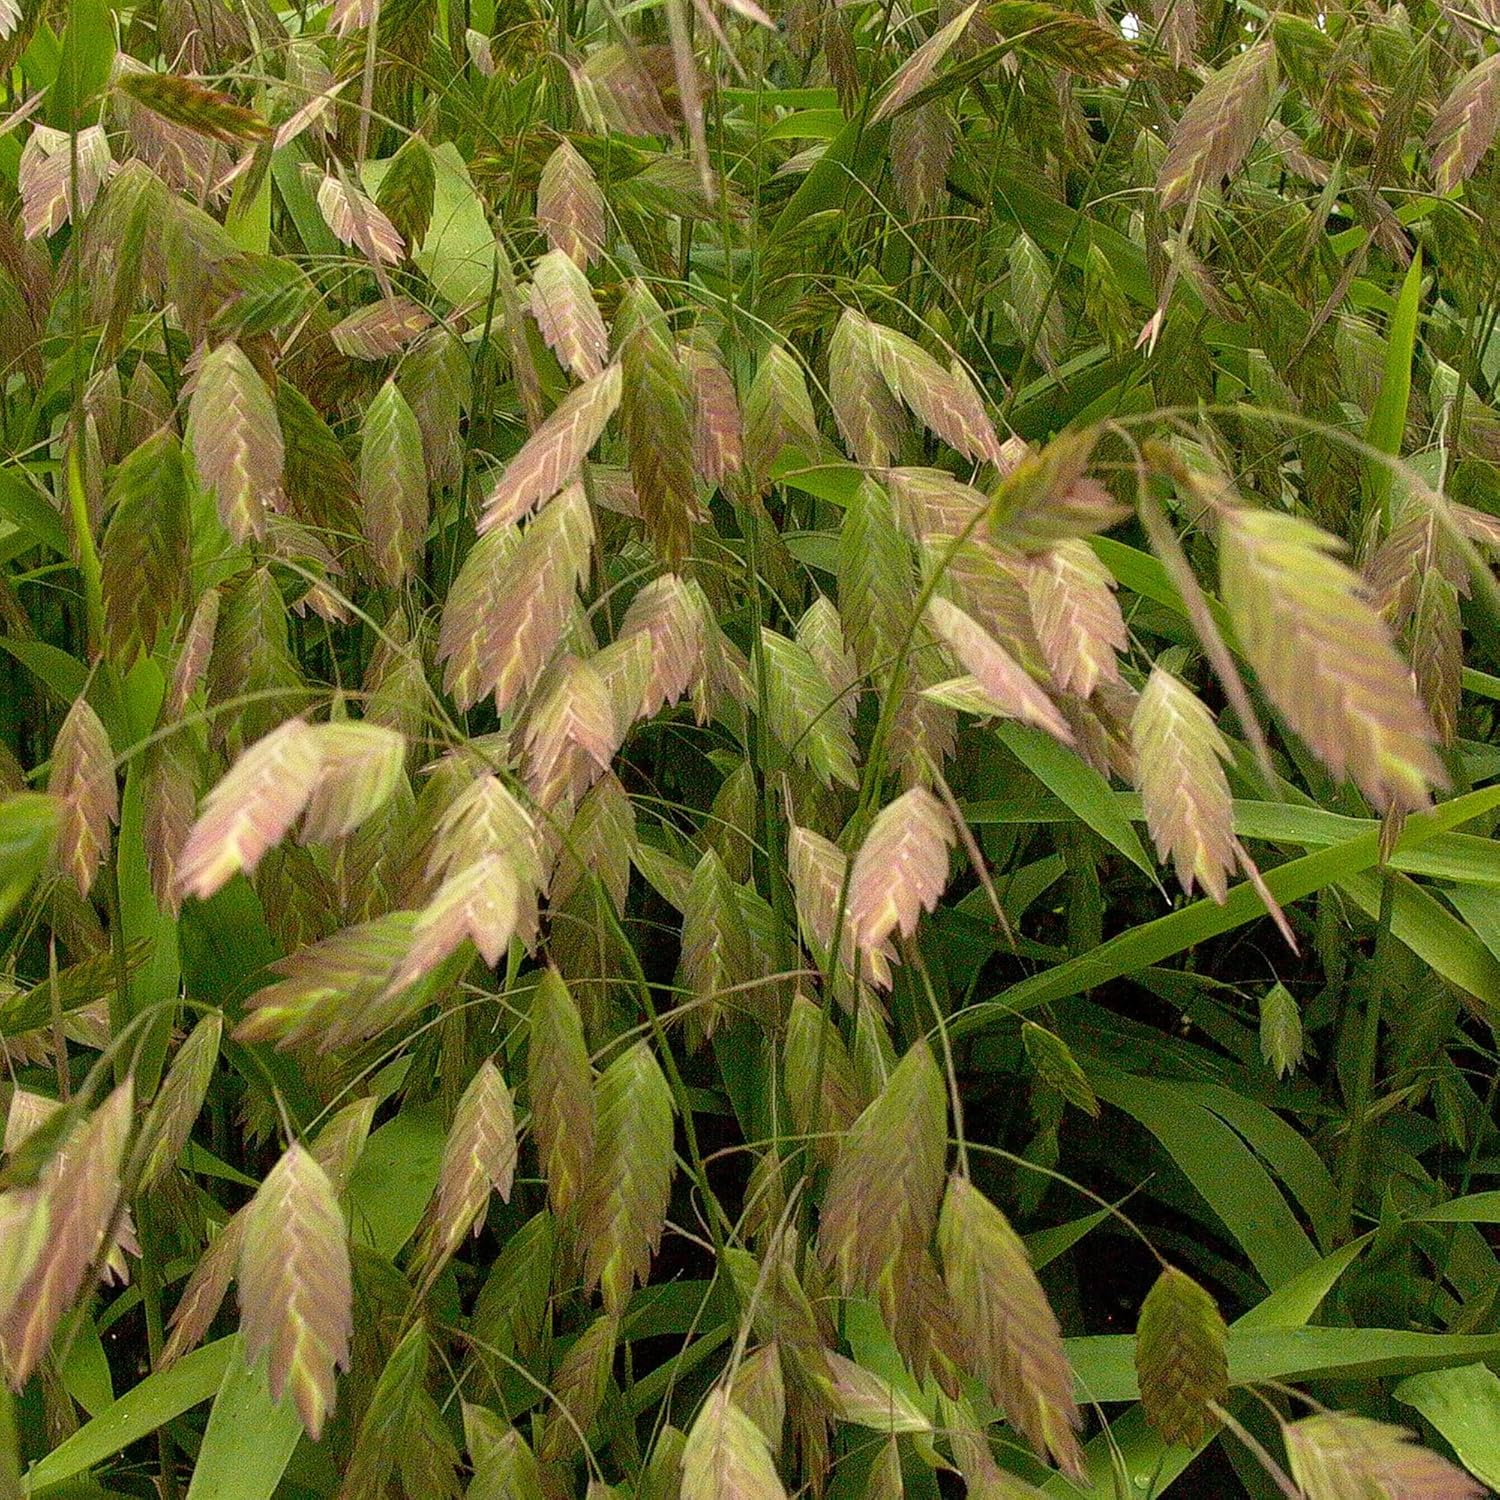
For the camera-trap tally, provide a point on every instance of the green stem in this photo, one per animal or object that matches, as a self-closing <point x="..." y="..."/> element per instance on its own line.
<point x="1352" y="1165"/>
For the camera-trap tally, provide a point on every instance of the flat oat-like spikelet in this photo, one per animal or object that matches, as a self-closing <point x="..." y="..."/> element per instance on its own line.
<point x="1335" y="1455"/>
<point x="918" y="69"/>
<point x="943" y="400"/>
<point x="295" y="1291"/>
<point x="901" y="868"/>
<point x="718" y="438"/>
<point x="511" y="602"/>
<point x="578" y="1386"/>
<point x="657" y="413"/>
<point x="803" y="711"/>
<point x="359" y="765"/>
<point x="817" y="868"/>
<point x="630" y="1178"/>
<point x="560" y="1084"/>
<point x="77" y="1196"/>
<point x="1219" y="126"/>
<point x="481" y="902"/>
<point x="550" y="458"/>
<point x="1464" y="127"/>
<point x="869" y="416"/>
<point x="45" y="172"/>
<point x="235" y="435"/>
<point x="479" y="1157"/>
<point x="146" y="548"/>
<point x="1077" y="621"/>
<point x="812" y="1044"/>
<point x="1181" y="1358"/>
<point x="1179" y="758"/>
<point x="665" y="611"/>
<point x="170" y="1119"/>
<point x="393" y="485"/>
<point x="717" y="953"/>
<point x="1010" y="1331"/>
<point x="562" y="302"/>
<point x="251" y="809"/>
<point x="83" y="782"/>
<point x="1006" y="684"/>
<point x="571" y="733"/>
<point x="355" y="220"/>
<point x="778" y="414"/>
<point x="1324" y="657"/>
<point x="570" y="206"/>
<point x="205" y="1291"/>
<point x="380" y="329"/>
<point x="883" y="1193"/>
<point x="726" y="1456"/>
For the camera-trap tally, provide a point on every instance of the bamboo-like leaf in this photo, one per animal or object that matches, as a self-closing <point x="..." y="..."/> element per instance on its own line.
<point x="511" y="601"/>
<point x="551" y="456"/>
<point x="478" y="1158"/>
<point x="656" y="408"/>
<point x="570" y="206"/>
<point x="1005" y="683"/>
<point x="169" y="1121"/>
<point x="1181" y="1358"/>
<point x="235" y="435"/>
<point x="630" y="1178"/>
<point x="559" y="1081"/>
<point x="1324" y="657"/>
<point x="145" y="552"/>
<point x="901" y="868"/>
<point x="83" y="784"/>
<point x="726" y="1456"/>
<point x="1464" y="127"/>
<point x="393" y="485"/>
<point x="186" y="103"/>
<point x="562" y="302"/>
<point x="79" y="1192"/>
<point x="294" y="1285"/>
<point x="804" y="713"/>
<point x="1179" y="754"/>
<point x="251" y="809"/>
<point x="1336" y="1454"/>
<point x="1077" y="621"/>
<point x="1217" y="130"/>
<point x="1011" y="1333"/>
<point x="883" y="1193"/>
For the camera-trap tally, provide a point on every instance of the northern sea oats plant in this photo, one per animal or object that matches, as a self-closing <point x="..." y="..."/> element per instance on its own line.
<point x="601" y="608"/>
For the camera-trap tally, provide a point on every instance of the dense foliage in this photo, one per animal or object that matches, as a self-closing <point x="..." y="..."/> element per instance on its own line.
<point x="601" y="611"/>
